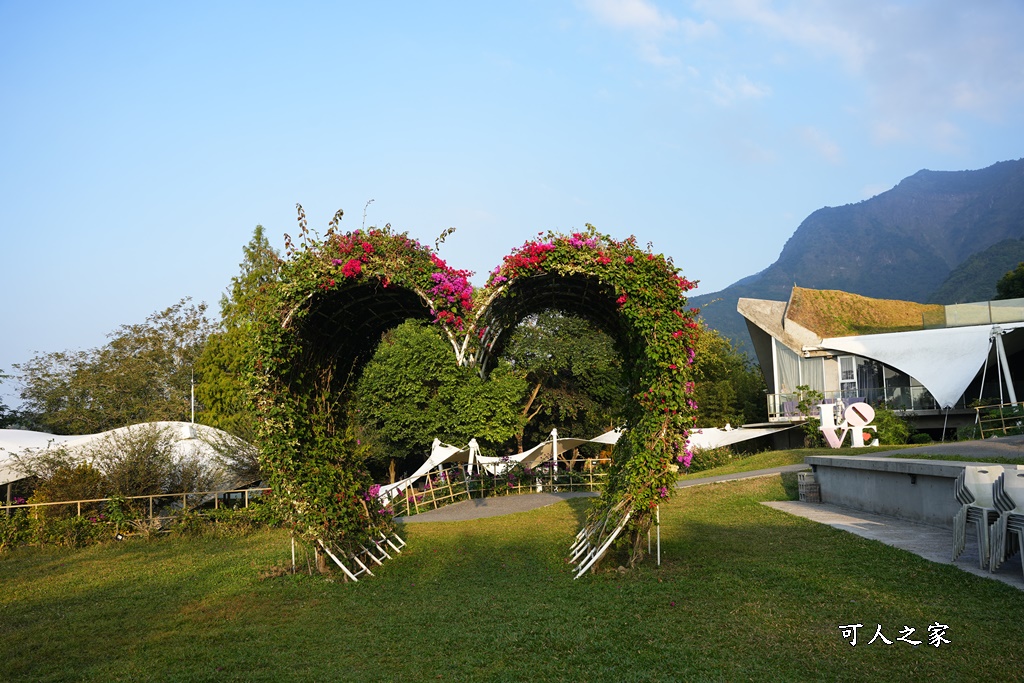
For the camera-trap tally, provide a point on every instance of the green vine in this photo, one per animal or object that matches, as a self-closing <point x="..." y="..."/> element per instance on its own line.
<point x="336" y="294"/>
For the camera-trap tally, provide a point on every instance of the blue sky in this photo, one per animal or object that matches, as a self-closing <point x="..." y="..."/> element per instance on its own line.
<point x="140" y="143"/>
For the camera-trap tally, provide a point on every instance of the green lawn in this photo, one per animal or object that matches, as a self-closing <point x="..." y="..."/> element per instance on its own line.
<point x="767" y="459"/>
<point x="744" y="593"/>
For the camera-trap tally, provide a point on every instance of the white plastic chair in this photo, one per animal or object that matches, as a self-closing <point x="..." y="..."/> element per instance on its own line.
<point x="973" y="490"/>
<point x="1007" y="534"/>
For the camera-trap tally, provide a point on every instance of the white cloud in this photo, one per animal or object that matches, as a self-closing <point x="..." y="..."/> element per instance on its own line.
<point x="822" y="144"/>
<point x="635" y="15"/>
<point x="727" y="92"/>
<point x="651" y="28"/>
<point x="798" y="24"/>
<point x="918" y="63"/>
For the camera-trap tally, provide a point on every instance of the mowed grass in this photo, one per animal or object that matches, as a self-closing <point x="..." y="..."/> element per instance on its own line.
<point x="744" y="593"/>
<point x="767" y="459"/>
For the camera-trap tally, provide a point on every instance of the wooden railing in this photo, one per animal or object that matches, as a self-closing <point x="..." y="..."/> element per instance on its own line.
<point x="451" y="486"/>
<point x="200" y="496"/>
<point x="1004" y="419"/>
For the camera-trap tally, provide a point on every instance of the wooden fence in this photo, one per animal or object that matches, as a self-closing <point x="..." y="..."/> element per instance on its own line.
<point x="1006" y="419"/>
<point x="242" y="496"/>
<point x="451" y="486"/>
<point x="442" y="488"/>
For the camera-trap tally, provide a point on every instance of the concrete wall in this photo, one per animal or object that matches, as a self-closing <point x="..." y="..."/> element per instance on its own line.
<point x="916" y="490"/>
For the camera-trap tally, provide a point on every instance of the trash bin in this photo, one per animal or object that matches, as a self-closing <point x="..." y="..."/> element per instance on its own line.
<point x="808" y="487"/>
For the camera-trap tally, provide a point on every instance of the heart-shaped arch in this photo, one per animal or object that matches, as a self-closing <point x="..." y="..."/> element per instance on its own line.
<point x="336" y="296"/>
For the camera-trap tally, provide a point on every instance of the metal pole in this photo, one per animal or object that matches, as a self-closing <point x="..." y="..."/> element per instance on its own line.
<point x="1005" y="365"/>
<point x="293" y="553"/>
<point x="554" y="456"/>
<point x="657" y="521"/>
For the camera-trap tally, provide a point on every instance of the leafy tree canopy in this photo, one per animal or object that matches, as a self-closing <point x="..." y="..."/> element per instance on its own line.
<point x="143" y="374"/>
<point x="221" y="389"/>
<point x="729" y="387"/>
<point x="413" y="391"/>
<point x="574" y="377"/>
<point x="8" y="416"/>
<point x="1011" y="285"/>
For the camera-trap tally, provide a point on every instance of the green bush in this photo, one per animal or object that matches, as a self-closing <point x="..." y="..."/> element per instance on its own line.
<point x="72" y="532"/>
<point x="968" y="433"/>
<point x="808" y="405"/>
<point x="15" y="529"/>
<point x="892" y="429"/>
<point x="709" y="458"/>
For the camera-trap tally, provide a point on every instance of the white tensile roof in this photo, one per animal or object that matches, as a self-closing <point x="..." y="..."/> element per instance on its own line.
<point x="944" y="360"/>
<point x="189" y="440"/>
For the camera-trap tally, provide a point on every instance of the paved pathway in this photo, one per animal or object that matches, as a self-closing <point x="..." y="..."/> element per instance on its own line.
<point x="771" y="471"/>
<point x="932" y="543"/>
<point x="494" y="506"/>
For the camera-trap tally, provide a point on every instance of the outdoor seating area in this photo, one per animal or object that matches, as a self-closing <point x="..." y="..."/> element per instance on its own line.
<point x="974" y="491"/>
<point x="979" y="499"/>
<point x="992" y="500"/>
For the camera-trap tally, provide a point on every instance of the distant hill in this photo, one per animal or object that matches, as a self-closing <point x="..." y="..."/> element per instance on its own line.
<point x="975" y="279"/>
<point x="914" y="242"/>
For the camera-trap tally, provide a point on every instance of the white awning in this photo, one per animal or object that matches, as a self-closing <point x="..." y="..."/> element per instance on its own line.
<point x="713" y="437"/>
<point x="943" y="360"/>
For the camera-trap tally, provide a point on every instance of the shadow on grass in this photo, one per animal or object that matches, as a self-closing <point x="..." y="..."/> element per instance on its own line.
<point x="790" y="485"/>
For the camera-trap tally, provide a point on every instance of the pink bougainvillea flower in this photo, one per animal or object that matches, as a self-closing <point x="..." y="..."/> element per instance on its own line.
<point x="352" y="268"/>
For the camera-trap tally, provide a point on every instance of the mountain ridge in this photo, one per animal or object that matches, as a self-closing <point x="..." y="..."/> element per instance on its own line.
<point x="906" y="243"/>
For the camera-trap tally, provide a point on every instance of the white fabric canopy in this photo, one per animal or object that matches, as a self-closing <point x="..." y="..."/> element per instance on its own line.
<point x="187" y="440"/>
<point x="442" y="453"/>
<point x="713" y="437"/>
<point x="943" y="360"/>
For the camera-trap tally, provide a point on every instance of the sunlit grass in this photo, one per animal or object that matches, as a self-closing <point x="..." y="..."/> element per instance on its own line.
<point x="768" y="459"/>
<point x="744" y="593"/>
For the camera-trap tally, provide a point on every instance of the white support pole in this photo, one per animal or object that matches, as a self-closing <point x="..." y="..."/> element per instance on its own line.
<point x="1005" y="365"/>
<point x="657" y="522"/>
<point x="554" y="451"/>
<point x="293" y="554"/>
<point x="337" y="561"/>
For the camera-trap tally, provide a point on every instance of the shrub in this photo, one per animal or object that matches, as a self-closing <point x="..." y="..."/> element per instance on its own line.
<point x="15" y="529"/>
<point x="135" y="462"/>
<point x="968" y="433"/>
<point x="78" y="482"/>
<point x="892" y="429"/>
<point x="708" y="458"/>
<point x="73" y="532"/>
<point x="808" y="405"/>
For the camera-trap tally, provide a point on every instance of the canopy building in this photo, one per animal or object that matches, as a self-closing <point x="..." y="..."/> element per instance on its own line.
<point x="931" y="362"/>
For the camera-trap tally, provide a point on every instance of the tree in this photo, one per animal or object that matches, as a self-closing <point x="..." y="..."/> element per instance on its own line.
<point x="143" y="374"/>
<point x="728" y="387"/>
<point x="8" y="416"/>
<point x="221" y="390"/>
<point x="1011" y="285"/>
<point x="413" y="391"/>
<point x="574" y="376"/>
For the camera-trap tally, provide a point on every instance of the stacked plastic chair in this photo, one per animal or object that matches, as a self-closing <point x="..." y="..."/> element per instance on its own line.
<point x="1007" y="534"/>
<point x="973" y="490"/>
